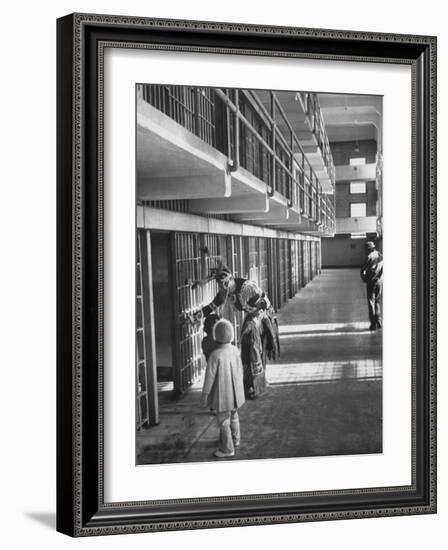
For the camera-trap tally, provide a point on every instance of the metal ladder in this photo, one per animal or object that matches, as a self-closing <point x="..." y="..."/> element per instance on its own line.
<point x="147" y="403"/>
<point x="141" y="382"/>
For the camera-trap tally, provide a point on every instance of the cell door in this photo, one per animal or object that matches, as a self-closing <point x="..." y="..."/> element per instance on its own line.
<point x="280" y="271"/>
<point x="305" y="263"/>
<point x="254" y="273"/>
<point x="187" y="261"/>
<point x="292" y="252"/>
<point x="273" y="286"/>
<point x="238" y="261"/>
<point x="310" y="260"/>
<point x="263" y="260"/>
<point x="299" y="265"/>
<point x="316" y="257"/>
<point x="319" y="255"/>
<point x="287" y="271"/>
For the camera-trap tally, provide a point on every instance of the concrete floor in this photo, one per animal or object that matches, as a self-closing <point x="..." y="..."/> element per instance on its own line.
<point x="325" y="391"/>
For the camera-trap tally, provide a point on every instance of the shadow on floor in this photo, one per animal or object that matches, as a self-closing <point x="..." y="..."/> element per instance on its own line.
<point x="47" y="519"/>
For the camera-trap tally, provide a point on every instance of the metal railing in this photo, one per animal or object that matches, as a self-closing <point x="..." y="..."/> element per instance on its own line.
<point x="314" y="115"/>
<point x="237" y="123"/>
<point x="328" y="221"/>
<point x="261" y="148"/>
<point x="192" y="108"/>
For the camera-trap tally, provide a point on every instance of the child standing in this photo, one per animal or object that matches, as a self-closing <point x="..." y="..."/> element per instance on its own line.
<point x="223" y="388"/>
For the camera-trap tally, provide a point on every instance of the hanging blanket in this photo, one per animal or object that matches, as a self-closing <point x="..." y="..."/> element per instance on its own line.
<point x="252" y="357"/>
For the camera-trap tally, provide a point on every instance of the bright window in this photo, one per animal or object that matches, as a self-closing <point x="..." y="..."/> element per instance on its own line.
<point x="357" y="188"/>
<point x="358" y="209"/>
<point x="357" y="161"/>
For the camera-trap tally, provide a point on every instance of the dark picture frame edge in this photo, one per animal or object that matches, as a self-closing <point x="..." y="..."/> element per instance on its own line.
<point x="81" y="510"/>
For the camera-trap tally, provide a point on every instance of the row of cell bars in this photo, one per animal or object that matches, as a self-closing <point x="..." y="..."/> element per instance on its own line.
<point x="279" y="266"/>
<point x="203" y="112"/>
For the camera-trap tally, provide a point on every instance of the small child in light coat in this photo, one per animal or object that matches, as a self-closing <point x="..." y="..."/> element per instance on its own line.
<point x="223" y="388"/>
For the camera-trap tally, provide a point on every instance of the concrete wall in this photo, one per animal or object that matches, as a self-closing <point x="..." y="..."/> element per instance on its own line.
<point x="344" y="198"/>
<point x="364" y="224"/>
<point x="362" y="172"/>
<point x="343" y="151"/>
<point x="342" y="251"/>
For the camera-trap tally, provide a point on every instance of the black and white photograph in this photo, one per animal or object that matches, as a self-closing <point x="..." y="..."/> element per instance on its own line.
<point x="221" y="314"/>
<point x="259" y="274"/>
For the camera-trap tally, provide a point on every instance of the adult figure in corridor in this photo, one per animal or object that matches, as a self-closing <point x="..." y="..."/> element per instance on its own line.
<point x="372" y="275"/>
<point x="259" y="333"/>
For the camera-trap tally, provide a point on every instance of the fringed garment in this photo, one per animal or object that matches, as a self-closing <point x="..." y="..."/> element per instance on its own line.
<point x="259" y="341"/>
<point x="259" y="334"/>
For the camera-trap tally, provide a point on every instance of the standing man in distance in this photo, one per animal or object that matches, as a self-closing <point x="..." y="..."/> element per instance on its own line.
<point x="372" y="275"/>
